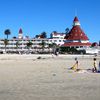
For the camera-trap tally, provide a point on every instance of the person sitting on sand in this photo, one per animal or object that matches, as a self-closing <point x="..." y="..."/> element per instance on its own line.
<point x="94" y="65"/>
<point x="75" y="66"/>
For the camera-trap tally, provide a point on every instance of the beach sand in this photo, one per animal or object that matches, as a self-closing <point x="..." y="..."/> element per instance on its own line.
<point x="24" y="77"/>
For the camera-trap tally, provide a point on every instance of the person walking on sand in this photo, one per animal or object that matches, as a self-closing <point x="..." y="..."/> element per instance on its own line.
<point x="75" y="66"/>
<point x="94" y="65"/>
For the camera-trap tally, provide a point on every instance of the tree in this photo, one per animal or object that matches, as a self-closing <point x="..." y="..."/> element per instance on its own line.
<point x="54" y="47"/>
<point x="50" y="46"/>
<point x="37" y="36"/>
<point x="5" y="43"/>
<point x="94" y="44"/>
<point x="43" y="35"/>
<point x="51" y="35"/>
<point x="64" y="49"/>
<point x="73" y="50"/>
<point x="14" y="37"/>
<point x="7" y="32"/>
<point x="42" y="44"/>
<point x="17" y="45"/>
<point x="67" y="30"/>
<point x="29" y="44"/>
<point x="54" y="32"/>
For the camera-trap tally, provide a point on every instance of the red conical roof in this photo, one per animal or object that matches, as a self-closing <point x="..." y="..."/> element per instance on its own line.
<point x="75" y="19"/>
<point x="76" y="33"/>
<point x="20" y="31"/>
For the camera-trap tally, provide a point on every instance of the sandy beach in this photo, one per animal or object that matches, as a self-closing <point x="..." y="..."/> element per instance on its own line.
<point x="24" y="77"/>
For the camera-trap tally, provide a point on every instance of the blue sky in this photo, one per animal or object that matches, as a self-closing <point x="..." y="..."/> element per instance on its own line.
<point x="36" y="16"/>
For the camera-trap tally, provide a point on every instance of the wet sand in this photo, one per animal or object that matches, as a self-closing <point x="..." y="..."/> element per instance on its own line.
<point x="24" y="77"/>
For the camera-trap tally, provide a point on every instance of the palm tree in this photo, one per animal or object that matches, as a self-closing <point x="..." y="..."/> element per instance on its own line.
<point x="53" y="46"/>
<point x="29" y="44"/>
<point x="17" y="45"/>
<point x="42" y="44"/>
<point x="5" y="43"/>
<point x="37" y="36"/>
<point x="67" y="30"/>
<point x="43" y="35"/>
<point x="7" y="32"/>
<point x="49" y="47"/>
<point x="52" y="33"/>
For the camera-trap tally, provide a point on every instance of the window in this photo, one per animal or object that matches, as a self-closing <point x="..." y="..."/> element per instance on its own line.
<point x="81" y="46"/>
<point x="55" y="40"/>
<point x="59" y="40"/>
<point x="75" y="30"/>
<point x="75" y="34"/>
<point x="50" y="40"/>
<point x="77" y="47"/>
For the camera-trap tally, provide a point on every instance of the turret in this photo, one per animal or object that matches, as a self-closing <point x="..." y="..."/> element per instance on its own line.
<point x="76" y="22"/>
<point x="20" y="34"/>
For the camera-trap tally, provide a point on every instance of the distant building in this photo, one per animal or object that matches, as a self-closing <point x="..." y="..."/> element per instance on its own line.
<point x="57" y="38"/>
<point x="56" y="35"/>
<point x="74" y="38"/>
<point x="20" y="43"/>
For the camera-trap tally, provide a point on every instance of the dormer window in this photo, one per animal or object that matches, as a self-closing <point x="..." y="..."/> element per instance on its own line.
<point x="81" y="34"/>
<point x="75" y="34"/>
<point x="75" y="30"/>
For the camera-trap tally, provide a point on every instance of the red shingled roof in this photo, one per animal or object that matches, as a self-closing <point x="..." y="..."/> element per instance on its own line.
<point x="75" y="19"/>
<point x="76" y="44"/>
<point x="20" y="30"/>
<point x="76" y="33"/>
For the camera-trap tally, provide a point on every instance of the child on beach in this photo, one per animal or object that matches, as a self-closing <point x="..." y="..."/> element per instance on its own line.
<point x="75" y="66"/>
<point x="94" y="65"/>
